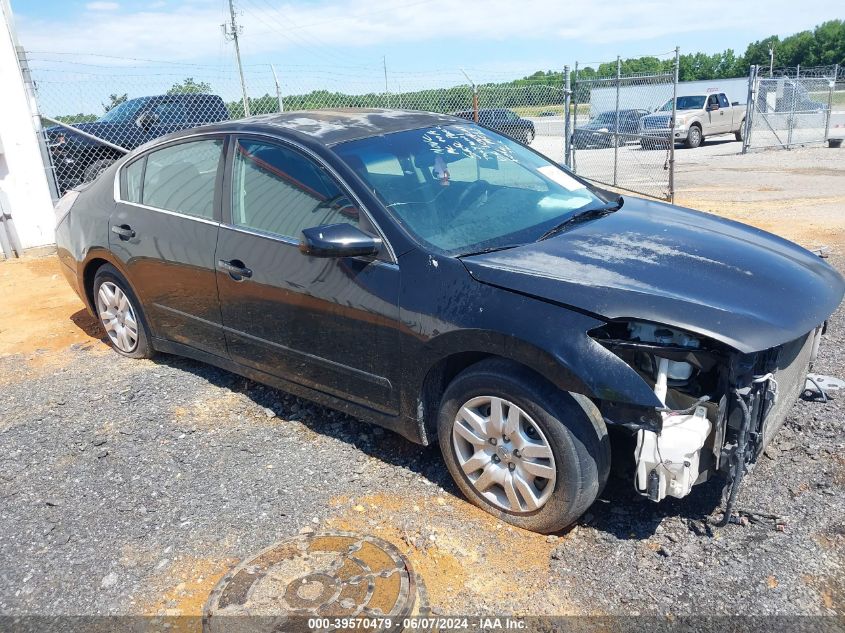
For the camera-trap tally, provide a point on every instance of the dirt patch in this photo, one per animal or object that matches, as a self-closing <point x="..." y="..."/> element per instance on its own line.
<point x="466" y="557"/>
<point x="185" y="585"/>
<point x="40" y="313"/>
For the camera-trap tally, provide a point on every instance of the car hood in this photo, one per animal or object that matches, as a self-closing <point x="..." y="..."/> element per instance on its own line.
<point x="656" y="262"/>
<point x="123" y="134"/>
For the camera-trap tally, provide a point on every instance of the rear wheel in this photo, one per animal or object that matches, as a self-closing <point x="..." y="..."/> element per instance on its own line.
<point x="521" y="449"/>
<point x="96" y="168"/>
<point x="741" y="131"/>
<point x="120" y="314"/>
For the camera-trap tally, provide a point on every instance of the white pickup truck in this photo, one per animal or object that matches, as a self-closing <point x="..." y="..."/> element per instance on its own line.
<point x="698" y="117"/>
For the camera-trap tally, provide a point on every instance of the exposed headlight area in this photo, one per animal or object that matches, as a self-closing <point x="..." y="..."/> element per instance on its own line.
<point x="686" y="373"/>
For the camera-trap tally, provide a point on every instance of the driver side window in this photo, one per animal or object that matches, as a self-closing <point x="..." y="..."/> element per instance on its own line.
<point x="277" y="190"/>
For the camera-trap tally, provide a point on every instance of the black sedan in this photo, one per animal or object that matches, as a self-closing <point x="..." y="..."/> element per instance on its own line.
<point x="599" y="132"/>
<point x="441" y="280"/>
<point x="504" y="121"/>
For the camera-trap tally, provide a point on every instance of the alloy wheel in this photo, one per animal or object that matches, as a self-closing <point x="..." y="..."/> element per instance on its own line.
<point x="504" y="454"/>
<point x="118" y="317"/>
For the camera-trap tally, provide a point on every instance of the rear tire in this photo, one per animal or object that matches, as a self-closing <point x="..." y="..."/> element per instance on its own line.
<point x="120" y="314"/>
<point x="739" y="133"/>
<point x="569" y="443"/>
<point x="96" y="168"/>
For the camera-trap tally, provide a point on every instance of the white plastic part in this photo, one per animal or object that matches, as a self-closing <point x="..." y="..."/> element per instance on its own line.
<point x="668" y="463"/>
<point x="648" y="333"/>
<point x="660" y="385"/>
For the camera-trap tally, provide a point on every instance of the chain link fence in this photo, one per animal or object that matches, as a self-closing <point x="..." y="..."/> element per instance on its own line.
<point x="793" y="107"/>
<point x="622" y="126"/>
<point x="93" y="112"/>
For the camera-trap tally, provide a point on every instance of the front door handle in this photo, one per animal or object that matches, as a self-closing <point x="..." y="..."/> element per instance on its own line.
<point x="124" y="231"/>
<point x="235" y="268"/>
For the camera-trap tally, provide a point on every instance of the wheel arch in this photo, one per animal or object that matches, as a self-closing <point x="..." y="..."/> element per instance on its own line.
<point x="431" y="381"/>
<point x="93" y="262"/>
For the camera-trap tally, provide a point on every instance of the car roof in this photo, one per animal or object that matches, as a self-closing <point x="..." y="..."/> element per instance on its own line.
<point x="330" y="127"/>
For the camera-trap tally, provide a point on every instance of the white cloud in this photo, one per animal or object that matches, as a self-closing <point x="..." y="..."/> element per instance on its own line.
<point x="102" y="6"/>
<point x="191" y="31"/>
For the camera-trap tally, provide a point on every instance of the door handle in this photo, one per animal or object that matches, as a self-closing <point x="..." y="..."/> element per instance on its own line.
<point x="124" y="231"/>
<point x="235" y="268"/>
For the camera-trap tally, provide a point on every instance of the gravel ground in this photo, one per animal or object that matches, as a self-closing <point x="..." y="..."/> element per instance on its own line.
<point x="131" y="487"/>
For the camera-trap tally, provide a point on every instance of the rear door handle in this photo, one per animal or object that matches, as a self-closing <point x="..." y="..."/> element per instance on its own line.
<point x="124" y="231"/>
<point x="235" y="268"/>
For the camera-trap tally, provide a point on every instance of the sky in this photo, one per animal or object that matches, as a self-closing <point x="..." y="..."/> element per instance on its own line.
<point x="335" y="43"/>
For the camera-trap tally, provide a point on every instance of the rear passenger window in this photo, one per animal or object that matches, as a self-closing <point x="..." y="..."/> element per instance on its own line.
<point x="182" y="178"/>
<point x="132" y="181"/>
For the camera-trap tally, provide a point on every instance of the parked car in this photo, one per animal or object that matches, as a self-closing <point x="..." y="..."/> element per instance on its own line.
<point x="504" y="121"/>
<point x="698" y="117"/>
<point x="448" y="283"/>
<point x="77" y="158"/>
<point x="600" y="130"/>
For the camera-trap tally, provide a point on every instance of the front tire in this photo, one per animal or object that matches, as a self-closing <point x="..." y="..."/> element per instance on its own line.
<point x="694" y="137"/>
<point x="120" y="314"/>
<point x="521" y="449"/>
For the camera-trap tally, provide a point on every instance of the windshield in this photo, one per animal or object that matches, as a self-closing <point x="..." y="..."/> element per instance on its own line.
<point x="464" y="189"/>
<point x="605" y="118"/>
<point x="685" y="103"/>
<point x="125" y="112"/>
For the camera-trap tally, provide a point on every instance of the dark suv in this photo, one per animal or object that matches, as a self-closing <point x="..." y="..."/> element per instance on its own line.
<point x="504" y="121"/>
<point x="78" y="159"/>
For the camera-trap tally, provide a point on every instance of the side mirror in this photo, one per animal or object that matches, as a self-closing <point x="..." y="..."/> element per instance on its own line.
<point x="713" y="106"/>
<point x="146" y="120"/>
<point x="338" y="240"/>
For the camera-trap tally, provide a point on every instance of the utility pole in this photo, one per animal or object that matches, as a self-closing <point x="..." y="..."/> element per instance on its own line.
<point x="771" y="59"/>
<point x="281" y="103"/>
<point x="232" y="31"/>
<point x="386" y="89"/>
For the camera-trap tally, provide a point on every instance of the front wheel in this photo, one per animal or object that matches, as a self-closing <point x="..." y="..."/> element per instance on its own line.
<point x="694" y="137"/>
<point x="521" y="449"/>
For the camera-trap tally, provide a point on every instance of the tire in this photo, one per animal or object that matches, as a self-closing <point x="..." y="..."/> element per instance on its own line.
<point x="694" y="137"/>
<point x="119" y="301"/>
<point x="567" y="427"/>
<point x="738" y="134"/>
<point x="96" y="168"/>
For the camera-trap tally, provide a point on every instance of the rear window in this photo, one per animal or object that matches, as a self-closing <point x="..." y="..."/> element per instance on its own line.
<point x="132" y="175"/>
<point x="182" y="177"/>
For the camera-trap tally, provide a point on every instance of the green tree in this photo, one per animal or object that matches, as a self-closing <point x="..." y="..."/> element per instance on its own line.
<point x="114" y="101"/>
<point x="189" y="86"/>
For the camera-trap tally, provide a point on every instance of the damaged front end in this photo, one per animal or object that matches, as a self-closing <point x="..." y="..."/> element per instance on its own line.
<point x="721" y="407"/>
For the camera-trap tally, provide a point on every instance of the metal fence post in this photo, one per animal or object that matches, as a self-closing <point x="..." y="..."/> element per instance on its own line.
<point x="616" y="121"/>
<point x="676" y="67"/>
<point x="750" y="105"/>
<point x="46" y="158"/>
<point x="791" y="111"/>
<point x="573" y="159"/>
<point x="567" y="99"/>
<point x="830" y="101"/>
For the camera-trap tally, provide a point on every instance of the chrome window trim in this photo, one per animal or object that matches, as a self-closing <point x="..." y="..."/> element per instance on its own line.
<point x="177" y="214"/>
<point x="275" y="237"/>
<point x="286" y="141"/>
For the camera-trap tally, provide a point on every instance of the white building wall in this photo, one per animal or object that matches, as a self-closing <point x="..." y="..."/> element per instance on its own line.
<point x="23" y="179"/>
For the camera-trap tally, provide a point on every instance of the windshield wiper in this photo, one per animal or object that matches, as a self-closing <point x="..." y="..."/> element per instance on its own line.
<point x="583" y="216"/>
<point x="489" y="249"/>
